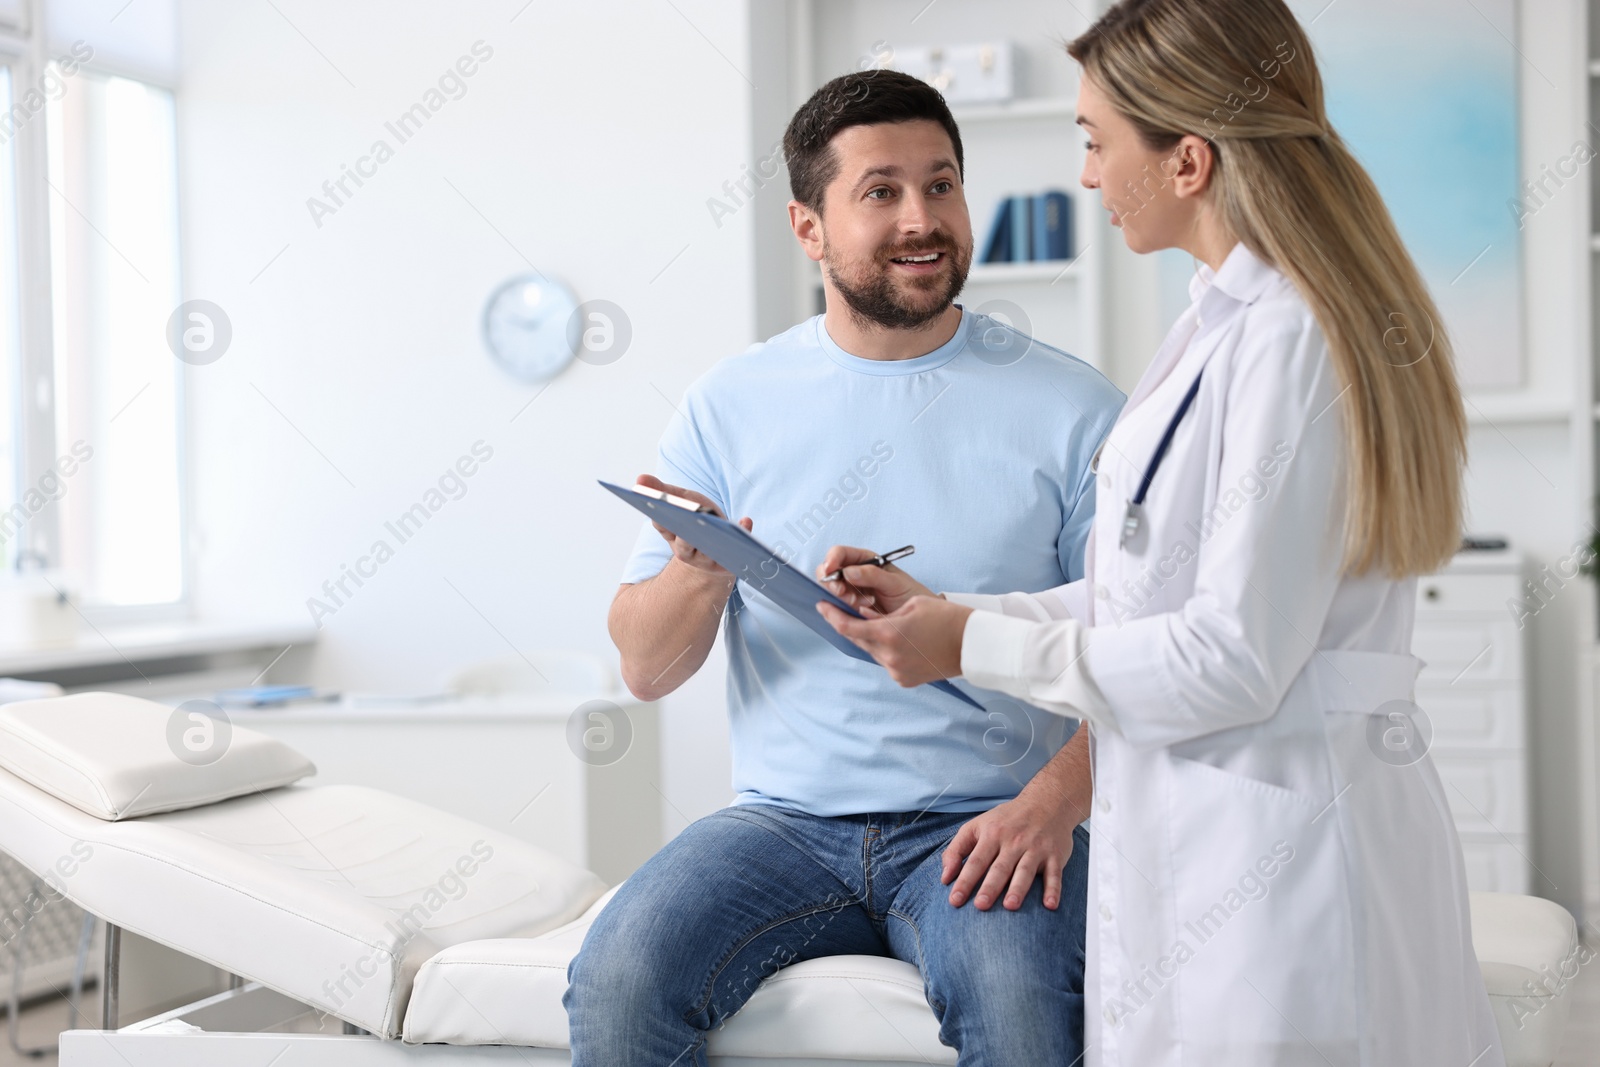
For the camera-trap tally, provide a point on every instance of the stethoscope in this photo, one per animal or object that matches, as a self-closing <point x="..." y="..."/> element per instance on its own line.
<point x="1134" y="516"/>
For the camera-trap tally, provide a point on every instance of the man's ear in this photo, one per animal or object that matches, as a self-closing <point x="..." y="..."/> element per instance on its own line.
<point x="1194" y="157"/>
<point x="807" y="227"/>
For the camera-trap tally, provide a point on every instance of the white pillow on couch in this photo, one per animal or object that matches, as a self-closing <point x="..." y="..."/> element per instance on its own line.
<point x="118" y="757"/>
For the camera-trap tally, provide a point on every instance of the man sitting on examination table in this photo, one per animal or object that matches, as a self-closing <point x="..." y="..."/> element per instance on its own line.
<point x="867" y="815"/>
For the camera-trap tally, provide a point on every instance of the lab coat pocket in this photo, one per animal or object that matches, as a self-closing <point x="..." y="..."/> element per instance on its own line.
<point x="1226" y="769"/>
<point x="1261" y="902"/>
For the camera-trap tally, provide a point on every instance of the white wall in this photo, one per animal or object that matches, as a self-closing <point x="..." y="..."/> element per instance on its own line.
<point x="590" y="142"/>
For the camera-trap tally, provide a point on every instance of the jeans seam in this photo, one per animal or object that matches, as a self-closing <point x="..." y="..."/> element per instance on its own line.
<point x="716" y="972"/>
<point x="692" y="1051"/>
<point x="867" y="839"/>
<point x="922" y="968"/>
<point x="780" y="832"/>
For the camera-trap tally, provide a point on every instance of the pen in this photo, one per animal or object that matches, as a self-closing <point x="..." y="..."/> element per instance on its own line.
<point x="876" y="561"/>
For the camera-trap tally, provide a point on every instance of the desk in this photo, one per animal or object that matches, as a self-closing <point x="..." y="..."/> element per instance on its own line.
<point x="120" y="653"/>
<point x="508" y="762"/>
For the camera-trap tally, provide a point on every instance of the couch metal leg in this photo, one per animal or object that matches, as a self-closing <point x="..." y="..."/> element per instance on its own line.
<point x="108" y="987"/>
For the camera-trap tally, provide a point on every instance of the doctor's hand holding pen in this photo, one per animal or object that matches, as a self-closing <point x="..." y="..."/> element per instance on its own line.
<point x="916" y="634"/>
<point x="871" y="589"/>
<point x="913" y="631"/>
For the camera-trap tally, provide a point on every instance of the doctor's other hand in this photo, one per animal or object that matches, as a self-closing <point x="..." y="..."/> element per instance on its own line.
<point x="919" y="642"/>
<point x="997" y="855"/>
<point x="682" y="550"/>
<point x="881" y="589"/>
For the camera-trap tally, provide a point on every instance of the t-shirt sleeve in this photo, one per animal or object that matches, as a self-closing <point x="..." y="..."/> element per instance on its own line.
<point x="1080" y="508"/>
<point x="683" y="458"/>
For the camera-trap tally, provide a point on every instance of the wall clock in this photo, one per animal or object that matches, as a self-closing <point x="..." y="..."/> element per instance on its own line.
<point x="525" y="327"/>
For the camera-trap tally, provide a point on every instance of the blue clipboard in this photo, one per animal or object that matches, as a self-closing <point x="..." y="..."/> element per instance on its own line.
<point x="760" y="568"/>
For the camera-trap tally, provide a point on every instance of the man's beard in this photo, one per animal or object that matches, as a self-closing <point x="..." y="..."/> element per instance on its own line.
<point x="874" y="299"/>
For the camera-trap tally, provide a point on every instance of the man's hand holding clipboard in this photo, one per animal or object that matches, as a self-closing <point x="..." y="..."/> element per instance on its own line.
<point x="704" y="539"/>
<point x="686" y="553"/>
<point x="682" y="550"/>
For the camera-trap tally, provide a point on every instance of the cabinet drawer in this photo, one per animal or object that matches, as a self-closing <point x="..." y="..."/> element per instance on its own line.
<point x="1465" y="592"/>
<point x="1476" y="721"/>
<point x="1486" y="793"/>
<point x="1496" y="864"/>
<point x="1472" y="649"/>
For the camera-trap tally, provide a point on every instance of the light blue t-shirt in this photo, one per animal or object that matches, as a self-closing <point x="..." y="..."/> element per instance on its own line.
<point x="977" y="457"/>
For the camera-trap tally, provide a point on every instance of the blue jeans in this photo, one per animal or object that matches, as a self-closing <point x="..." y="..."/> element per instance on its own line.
<point x="752" y="888"/>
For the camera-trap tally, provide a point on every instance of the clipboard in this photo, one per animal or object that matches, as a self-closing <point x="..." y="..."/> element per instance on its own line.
<point x="759" y="567"/>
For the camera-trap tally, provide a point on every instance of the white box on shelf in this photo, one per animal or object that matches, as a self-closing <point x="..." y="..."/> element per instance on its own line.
<point x="964" y="73"/>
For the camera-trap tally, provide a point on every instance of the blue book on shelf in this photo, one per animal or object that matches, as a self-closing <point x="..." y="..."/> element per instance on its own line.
<point x="1021" y="229"/>
<point x="1052" y="225"/>
<point x="997" y="246"/>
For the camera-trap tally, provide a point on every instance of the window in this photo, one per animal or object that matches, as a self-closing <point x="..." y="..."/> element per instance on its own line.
<point x="91" y="414"/>
<point x="114" y="284"/>
<point x="10" y="341"/>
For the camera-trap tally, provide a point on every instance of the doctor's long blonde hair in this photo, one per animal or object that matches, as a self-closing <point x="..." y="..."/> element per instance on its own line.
<point x="1240" y="73"/>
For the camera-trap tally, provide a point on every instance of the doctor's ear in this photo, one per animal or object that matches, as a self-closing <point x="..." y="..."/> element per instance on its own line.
<point x="807" y="226"/>
<point x="1189" y="165"/>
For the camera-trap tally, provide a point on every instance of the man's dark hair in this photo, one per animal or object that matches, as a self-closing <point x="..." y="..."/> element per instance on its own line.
<point x="862" y="98"/>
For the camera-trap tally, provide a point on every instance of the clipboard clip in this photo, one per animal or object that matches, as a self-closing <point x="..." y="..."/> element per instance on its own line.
<point x="678" y="501"/>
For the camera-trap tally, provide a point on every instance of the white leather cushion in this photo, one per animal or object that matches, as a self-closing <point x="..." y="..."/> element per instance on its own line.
<point x="331" y="895"/>
<point x="117" y="757"/>
<point x="1528" y="951"/>
<point x="508" y="991"/>
<point x="838" y="1007"/>
<point x="505" y="991"/>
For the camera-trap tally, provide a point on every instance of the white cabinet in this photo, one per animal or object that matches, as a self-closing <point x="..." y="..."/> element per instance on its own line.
<point x="1472" y="690"/>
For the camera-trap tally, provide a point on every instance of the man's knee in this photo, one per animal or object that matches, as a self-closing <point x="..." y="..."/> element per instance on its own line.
<point x="1012" y="1003"/>
<point x="978" y="969"/>
<point x="973" y="953"/>
<point x="625" y="963"/>
<point x="623" y="1001"/>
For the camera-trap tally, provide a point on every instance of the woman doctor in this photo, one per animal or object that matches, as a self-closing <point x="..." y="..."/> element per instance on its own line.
<point x="1275" y="877"/>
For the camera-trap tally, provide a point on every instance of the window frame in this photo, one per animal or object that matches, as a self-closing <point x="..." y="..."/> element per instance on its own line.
<point x="25" y="50"/>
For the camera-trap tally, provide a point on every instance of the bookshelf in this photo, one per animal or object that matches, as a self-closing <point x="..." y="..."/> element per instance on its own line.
<point x="1024" y="146"/>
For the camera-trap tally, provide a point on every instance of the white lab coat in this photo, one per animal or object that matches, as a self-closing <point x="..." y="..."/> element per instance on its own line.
<point x="1264" y="888"/>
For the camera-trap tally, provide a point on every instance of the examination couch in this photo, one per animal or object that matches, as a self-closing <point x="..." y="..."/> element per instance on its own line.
<point x="368" y="930"/>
